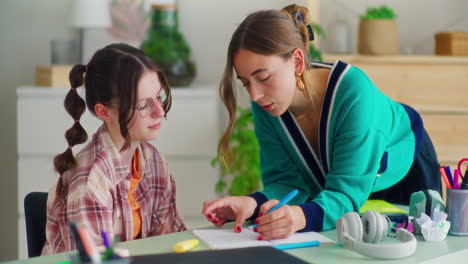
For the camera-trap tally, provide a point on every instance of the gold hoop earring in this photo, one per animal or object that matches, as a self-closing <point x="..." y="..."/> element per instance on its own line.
<point x="299" y="83"/>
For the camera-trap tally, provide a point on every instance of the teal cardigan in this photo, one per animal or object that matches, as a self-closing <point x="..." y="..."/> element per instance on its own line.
<point x="367" y="143"/>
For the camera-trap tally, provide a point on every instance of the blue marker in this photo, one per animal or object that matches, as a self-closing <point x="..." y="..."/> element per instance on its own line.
<point x="449" y="174"/>
<point x="314" y="243"/>
<point x="283" y="201"/>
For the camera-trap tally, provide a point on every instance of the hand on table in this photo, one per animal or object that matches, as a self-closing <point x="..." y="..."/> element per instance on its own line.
<point x="280" y="223"/>
<point x="237" y="208"/>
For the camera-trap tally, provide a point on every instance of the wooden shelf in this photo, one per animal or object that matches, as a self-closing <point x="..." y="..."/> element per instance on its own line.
<point x="440" y="110"/>
<point x="450" y="155"/>
<point x="397" y="59"/>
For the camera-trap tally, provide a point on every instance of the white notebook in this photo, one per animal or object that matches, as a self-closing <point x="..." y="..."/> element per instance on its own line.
<point x="227" y="238"/>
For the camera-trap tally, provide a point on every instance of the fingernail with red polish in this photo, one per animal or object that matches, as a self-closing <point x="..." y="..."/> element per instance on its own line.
<point x="238" y="229"/>
<point x="215" y="221"/>
<point x="255" y="229"/>
<point x="210" y="217"/>
<point x="260" y="214"/>
<point x="256" y="221"/>
<point x="259" y="238"/>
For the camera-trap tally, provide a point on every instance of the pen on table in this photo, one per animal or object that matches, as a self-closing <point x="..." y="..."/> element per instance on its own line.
<point x="89" y="244"/>
<point x="448" y="171"/>
<point x="79" y="244"/>
<point x="282" y="202"/>
<point x="314" y="243"/>
<point x="444" y="177"/>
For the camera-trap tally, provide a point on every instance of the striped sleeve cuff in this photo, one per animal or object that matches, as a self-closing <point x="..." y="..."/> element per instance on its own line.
<point x="314" y="217"/>
<point x="260" y="198"/>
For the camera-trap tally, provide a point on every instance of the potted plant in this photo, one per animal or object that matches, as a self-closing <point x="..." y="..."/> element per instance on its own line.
<point x="378" y="34"/>
<point x="243" y="177"/>
<point x="314" y="52"/>
<point x="168" y="47"/>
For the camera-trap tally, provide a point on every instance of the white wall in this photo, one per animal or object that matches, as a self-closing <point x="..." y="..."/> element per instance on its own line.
<point x="209" y="36"/>
<point x="216" y="21"/>
<point x="27" y="26"/>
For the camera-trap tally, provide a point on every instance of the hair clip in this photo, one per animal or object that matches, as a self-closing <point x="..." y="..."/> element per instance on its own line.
<point x="298" y="17"/>
<point x="311" y="32"/>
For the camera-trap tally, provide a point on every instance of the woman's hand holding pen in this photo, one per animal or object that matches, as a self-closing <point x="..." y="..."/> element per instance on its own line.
<point x="279" y="223"/>
<point x="237" y="208"/>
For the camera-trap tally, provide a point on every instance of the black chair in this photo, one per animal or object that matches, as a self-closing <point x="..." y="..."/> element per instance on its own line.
<point x="35" y="212"/>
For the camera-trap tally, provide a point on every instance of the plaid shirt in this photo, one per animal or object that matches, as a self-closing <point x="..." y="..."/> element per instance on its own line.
<point x="98" y="196"/>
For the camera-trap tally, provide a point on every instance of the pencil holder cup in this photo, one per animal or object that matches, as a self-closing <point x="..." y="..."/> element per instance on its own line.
<point x="457" y="210"/>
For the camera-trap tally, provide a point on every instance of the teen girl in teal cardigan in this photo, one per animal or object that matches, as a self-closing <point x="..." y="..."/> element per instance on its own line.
<point x="324" y="129"/>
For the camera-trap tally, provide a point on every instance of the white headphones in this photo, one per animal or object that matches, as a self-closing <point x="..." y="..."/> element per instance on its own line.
<point x="372" y="228"/>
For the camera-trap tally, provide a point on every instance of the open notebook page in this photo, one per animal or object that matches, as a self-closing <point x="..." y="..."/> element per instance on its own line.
<point x="227" y="238"/>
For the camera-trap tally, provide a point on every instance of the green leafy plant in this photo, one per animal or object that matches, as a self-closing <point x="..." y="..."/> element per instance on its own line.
<point x="244" y="173"/>
<point x="381" y="12"/>
<point x="168" y="47"/>
<point x="243" y="177"/>
<point x="315" y="53"/>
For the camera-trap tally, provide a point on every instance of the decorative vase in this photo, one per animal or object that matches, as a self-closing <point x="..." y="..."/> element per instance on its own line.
<point x="338" y="36"/>
<point x="378" y="37"/>
<point x="167" y="46"/>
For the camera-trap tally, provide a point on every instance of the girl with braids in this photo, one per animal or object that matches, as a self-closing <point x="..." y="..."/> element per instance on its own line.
<point x="323" y="129"/>
<point x="118" y="183"/>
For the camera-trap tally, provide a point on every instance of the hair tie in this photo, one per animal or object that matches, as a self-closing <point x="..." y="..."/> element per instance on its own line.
<point x="70" y="147"/>
<point x="72" y="88"/>
<point x="298" y="18"/>
<point x="311" y="32"/>
<point x="77" y="120"/>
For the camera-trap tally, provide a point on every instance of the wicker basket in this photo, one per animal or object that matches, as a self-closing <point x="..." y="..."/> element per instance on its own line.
<point x="451" y="43"/>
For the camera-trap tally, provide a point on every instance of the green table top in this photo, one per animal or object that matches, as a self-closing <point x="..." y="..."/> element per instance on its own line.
<point x="453" y="249"/>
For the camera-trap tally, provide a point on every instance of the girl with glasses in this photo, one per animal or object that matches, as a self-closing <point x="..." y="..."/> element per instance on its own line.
<point x="119" y="183"/>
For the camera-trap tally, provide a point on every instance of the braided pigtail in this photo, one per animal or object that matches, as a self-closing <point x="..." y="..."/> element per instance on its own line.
<point x="75" y="106"/>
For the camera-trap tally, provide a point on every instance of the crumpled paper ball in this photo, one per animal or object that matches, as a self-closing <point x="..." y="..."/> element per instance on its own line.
<point x="435" y="229"/>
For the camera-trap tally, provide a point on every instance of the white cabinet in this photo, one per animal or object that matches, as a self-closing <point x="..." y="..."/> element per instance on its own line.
<point x="188" y="141"/>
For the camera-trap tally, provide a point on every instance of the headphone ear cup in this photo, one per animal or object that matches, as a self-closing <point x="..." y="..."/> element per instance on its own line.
<point x="349" y="224"/>
<point x="374" y="226"/>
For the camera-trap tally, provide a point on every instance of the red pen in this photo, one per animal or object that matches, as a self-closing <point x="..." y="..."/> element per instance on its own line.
<point x="444" y="177"/>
